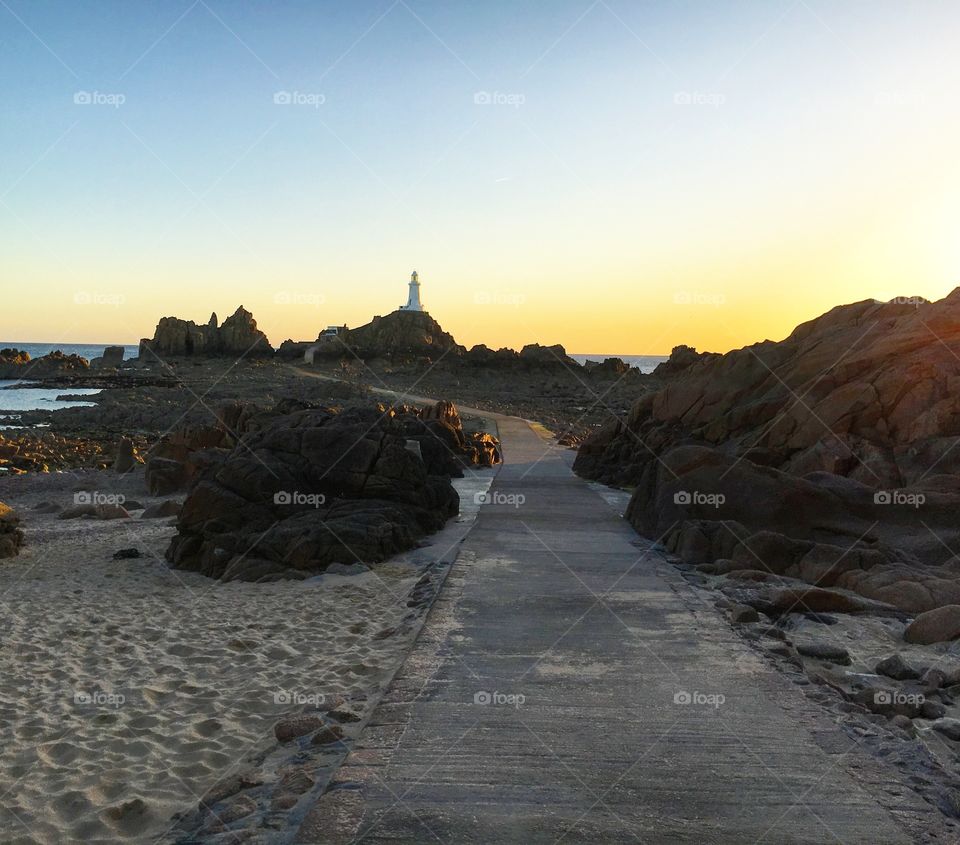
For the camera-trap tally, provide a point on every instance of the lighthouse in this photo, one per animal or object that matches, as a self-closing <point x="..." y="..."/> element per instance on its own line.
<point x="413" y="298"/>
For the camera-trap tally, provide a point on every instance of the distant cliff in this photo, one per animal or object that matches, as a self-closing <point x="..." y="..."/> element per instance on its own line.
<point x="178" y="338"/>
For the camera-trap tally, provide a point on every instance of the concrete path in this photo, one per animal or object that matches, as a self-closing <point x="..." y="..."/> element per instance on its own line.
<point x="569" y="687"/>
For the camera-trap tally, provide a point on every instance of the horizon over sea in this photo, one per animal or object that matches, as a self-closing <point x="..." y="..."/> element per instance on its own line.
<point x="644" y="363"/>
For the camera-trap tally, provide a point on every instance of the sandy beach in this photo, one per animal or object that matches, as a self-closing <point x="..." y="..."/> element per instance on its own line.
<point x="129" y="689"/>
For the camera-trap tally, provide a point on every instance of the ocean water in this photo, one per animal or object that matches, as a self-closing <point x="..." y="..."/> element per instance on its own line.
<point x="87" y="350"/>
<point x="644" y="363"/>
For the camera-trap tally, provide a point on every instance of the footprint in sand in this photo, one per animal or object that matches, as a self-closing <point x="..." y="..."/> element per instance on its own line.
<point x="71" y="805"/>
<point x="207" y="728"/>
<point x="58" y="753"/>
<point x="128" y="818"/>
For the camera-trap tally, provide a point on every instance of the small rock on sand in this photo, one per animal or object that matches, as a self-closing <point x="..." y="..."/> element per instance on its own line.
<point x="326" y="735"/>
<point x="162" y="510"/>
<point x="825" y="651"/>
<point x="950" y="728"/>
<point x="935" y="626"/>
<point x="294" y="726"/>
<point x="897" y="668"/>
<point x="740" y="614"/>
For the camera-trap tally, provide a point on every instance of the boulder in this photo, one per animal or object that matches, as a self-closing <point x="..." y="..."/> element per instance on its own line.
<point x="127" y="456"/>
<point x="308" y="489"/>
<point x="935" y="626"/>
<point x="298" y="725"/>
<point x="897" y="668"/>
<point x="950" y="728"/>
<point x="11" y="537"/>
<point x="111" y="359"/>
<point x="162" y="510"/>
<point x="741" y="614"/>
<point x="825" y="651"/>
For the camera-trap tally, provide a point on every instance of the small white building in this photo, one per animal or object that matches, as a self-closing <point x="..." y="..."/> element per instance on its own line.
<point x="413" y="298"/>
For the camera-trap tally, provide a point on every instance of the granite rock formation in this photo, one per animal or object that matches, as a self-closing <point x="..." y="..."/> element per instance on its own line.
<point x="827" y="456"/>
<point x="402" y="335"/>
<point x="11" y="537"/>
<point x="286" y="492"/>
<point x="17" y="364"/>
<point x="176" y="338"/>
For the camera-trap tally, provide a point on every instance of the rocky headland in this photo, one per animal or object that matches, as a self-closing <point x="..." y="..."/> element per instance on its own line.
<point x="238" y="336"/>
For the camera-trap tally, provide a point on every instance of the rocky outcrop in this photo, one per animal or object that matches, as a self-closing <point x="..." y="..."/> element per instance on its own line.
<point x="11" y="537"/>
<point x="17" y="364"/>
<point x="179" y="456"/>
<point x="556" y="355"/>
<point x="311" y="488"/>
<point x="828" y="456"/>
<point x="402" y="335"/>
<point x="681" y="359"/>
<point x="176" y="338"/>
<point x="112" y="358"/>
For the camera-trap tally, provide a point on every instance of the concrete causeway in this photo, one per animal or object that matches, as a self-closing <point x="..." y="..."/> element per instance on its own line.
<point x="568" y="686"/>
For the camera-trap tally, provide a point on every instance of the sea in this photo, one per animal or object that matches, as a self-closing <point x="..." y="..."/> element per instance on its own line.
<point x="37" y="398"/>
<point x="644" y="363"/>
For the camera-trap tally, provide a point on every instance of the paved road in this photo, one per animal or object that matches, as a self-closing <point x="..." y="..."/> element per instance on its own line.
<point x="569" y="687"/>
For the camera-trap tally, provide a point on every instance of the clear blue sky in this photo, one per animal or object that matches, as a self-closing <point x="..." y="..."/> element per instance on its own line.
<point x="629" y="152"/>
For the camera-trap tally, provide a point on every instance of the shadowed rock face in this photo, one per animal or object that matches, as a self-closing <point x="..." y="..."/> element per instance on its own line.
<point x="305" y="489"/>
<point x="403" y="334"/>
<point x="17" y="364"/>
<point x="11" y="537"/>
<point x="840" y="436"/>
<point x="238" y="335"/>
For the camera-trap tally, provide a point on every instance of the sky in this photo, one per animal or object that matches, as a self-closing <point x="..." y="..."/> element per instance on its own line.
<point x="619" y="177"/>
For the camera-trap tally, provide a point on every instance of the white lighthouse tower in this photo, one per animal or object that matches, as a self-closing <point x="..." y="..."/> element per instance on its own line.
<point x="413" y="299"/>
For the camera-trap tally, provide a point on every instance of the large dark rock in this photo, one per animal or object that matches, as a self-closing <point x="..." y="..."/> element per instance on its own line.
<point x="17" y="364"/>
<point x="401" y="335"/>
<point x="305" y="489"/>
<point x="112" y="358"/>
<point x="832" y="450"/>
<point x="238" y="336"/>
<point x="11" y="537"/>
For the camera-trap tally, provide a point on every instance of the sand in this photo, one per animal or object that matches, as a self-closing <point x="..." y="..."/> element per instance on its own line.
<point x="127" y="689"/>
